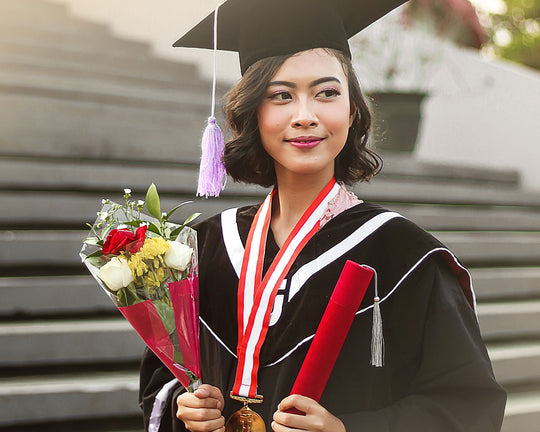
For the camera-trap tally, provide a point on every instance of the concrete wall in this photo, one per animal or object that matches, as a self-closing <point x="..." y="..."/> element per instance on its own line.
<point x="483" y="113"/>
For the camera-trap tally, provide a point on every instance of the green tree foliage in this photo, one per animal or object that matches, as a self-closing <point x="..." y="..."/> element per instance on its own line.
<point x="515" y="32"/>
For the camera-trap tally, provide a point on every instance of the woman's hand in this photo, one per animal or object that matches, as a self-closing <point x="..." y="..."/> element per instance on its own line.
<point x="317" y="418"/>
<point x="201" y="411"/>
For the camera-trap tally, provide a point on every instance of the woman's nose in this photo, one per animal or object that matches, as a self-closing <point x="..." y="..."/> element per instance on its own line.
<point x="304" y="115"/>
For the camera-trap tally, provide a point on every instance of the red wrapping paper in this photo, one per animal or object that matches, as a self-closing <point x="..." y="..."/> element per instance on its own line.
<point x="333" y="328"/>
<point x="185" y="300"/>
<point x="146" y="321"/>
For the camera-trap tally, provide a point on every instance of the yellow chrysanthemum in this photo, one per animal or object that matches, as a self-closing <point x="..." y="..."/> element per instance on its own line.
<point x="137" y="265"/>
<point x="153" y="248"/>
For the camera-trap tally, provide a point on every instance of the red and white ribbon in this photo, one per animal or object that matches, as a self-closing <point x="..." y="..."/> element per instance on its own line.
<point x="256" y="294"/>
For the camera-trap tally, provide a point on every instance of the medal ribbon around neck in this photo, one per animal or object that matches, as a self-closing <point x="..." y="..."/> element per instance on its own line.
<point x="256" y="295"/>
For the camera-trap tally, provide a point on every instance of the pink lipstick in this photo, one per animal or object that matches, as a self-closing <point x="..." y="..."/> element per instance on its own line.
<point x="305" y="142"/>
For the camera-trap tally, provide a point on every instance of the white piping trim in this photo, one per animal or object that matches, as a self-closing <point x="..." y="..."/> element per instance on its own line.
<point x="360" y="234"/>
<point x="420" y="261"/>
<point x="217" y="337"/>
<point x="307" y="339"/>
<point x="232" y="240"/>
<point x="291" y="351"/>
<point x="160" y="403"/>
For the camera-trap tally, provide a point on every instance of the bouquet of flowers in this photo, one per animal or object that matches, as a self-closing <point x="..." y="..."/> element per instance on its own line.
<point x="148" y="267"/>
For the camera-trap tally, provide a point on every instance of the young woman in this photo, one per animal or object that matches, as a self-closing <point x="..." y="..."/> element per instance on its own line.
<point x="301" y="124"/>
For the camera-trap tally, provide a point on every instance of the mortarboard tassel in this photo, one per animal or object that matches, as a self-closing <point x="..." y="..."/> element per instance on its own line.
<point x="377" y="337"/>
<point x="212" y="174"/>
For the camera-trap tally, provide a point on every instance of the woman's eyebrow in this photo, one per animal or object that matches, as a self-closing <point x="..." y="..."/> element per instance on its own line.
<point x="311" y="84"/>
<point x="323" y="80"/>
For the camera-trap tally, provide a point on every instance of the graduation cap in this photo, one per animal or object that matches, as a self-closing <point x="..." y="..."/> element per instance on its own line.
<point x="258" y="29"/>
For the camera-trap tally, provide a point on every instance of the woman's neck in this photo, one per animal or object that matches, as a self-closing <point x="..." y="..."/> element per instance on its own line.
<point x="294" y="196"/>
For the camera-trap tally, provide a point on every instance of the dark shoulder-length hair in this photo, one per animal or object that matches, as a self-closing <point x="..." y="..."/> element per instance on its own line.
<point x="245" y="158"/>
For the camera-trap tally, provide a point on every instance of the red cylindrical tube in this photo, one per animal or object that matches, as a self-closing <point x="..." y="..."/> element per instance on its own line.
<point x="333" y="328"/>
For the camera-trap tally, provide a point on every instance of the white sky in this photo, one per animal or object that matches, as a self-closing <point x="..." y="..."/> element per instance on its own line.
<point x="491" y="6"/>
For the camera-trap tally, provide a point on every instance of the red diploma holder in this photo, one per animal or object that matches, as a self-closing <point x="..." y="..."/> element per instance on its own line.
<point x="333" y="328"/>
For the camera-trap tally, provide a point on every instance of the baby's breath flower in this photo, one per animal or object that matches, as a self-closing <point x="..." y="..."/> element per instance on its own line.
<point x="127" y="191"/>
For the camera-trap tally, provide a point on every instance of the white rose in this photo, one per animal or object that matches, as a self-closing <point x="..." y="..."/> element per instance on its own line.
<point x="178" y="256"/>
<point x="116" y="274"/>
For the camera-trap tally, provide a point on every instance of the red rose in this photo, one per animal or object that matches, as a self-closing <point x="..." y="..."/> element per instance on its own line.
<point x="118" y="240"/>
<point x="140" y="236"/>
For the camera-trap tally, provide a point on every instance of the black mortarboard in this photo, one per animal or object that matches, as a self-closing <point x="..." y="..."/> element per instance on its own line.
<point x="258" y="29"/>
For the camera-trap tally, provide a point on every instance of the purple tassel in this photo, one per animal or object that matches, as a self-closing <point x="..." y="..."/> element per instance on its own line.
<point x="212" y="174"/>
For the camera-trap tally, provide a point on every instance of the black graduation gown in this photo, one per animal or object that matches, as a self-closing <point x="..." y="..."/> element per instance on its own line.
<point x="436" y="375"/>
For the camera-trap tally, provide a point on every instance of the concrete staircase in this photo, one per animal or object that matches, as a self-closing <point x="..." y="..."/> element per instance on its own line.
<point x="83" y="115"/>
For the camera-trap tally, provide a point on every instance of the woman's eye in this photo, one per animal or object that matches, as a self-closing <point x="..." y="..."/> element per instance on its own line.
<point x="281" y="96"/>
<point x="328" y="93"/>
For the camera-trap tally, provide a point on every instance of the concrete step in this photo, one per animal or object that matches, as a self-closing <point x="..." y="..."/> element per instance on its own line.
<point x="71" y="34"/>
<point x="486" y="248"/>
<point x="61" y="247"/>
<point x="57" y="124"/>
<point x="522" y="412"/>
<point x="57" y="167"/>
<point x="68" y="397"/>
<point x="27" y="207"/>
<point x="70" y="342"/>
<point x="515" y="363"/>
<point x="187" y="88"/>
<point x="44" y="14"/>
<point x="32" y="296"/>
<point x="45" y="296"/>
<point x="75" y="209"/>
<point x="426" y="191"/>
<point x="511" y="319"/>
<point x="118" y="62"/>
<point x="506" y="283"/>
<point x="468" y="217"/>
<point x="405" y="167"/>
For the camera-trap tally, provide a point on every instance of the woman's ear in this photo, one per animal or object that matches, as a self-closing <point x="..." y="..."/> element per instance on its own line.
<point x="354" y="112"/>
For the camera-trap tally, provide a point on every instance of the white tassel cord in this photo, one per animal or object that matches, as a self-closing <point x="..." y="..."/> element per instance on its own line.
<point x="377" y="337"/>
<point x="212" y="174"/>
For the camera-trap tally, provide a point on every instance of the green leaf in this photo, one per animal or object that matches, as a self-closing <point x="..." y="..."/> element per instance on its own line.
<point x="175" y="232"/>
<point x="178" y="358"/>
<point x="95" y="254"/>
<point x="128" y="296"/>
<point x="166" y="314"/>
<point x="95" y="261"/>
<point x="191" y="218"/>
<point x="177" y="207"/>
<point x="92" y="241"/>
<point x="154" y="228"/>
<point x="133" y="223"/>
<point x="152" y="202"/>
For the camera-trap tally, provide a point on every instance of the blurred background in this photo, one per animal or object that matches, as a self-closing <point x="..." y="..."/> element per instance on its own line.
<point x="93" y="99"/>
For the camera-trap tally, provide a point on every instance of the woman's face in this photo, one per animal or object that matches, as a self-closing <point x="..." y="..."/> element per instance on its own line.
<point x="305" y="116"/>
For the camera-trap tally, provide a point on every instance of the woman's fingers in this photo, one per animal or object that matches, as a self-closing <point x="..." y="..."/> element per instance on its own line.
<point x="208" y="391"/>
<point x="316" y="417"/>
<point x="217" y="425"/>
<point x="201" y="411"/>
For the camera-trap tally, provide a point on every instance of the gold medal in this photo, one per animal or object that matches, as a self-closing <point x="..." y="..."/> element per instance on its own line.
<point x="245" y="419"/>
